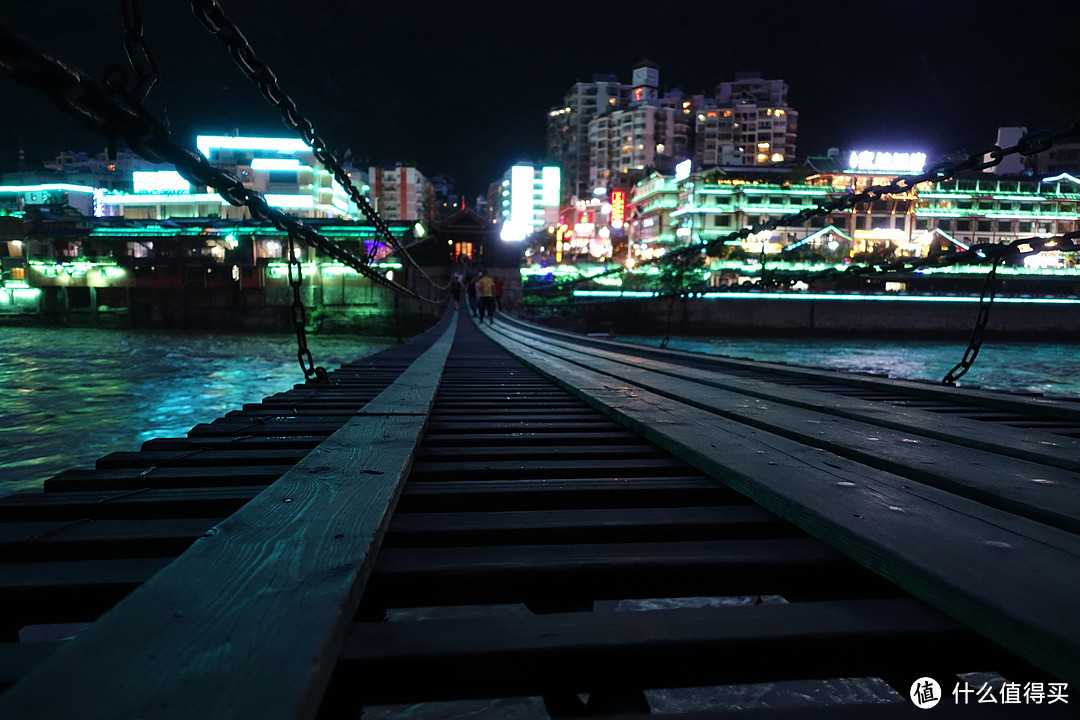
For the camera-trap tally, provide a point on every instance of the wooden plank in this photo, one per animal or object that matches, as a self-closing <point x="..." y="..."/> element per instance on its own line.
<point x="393" y="662"/>
<point x="241" y="442"/>
<point x="1058" y="451"/>
<point x="591" y="525"/>
<point x="555" y="451"/>
<point x="192" y="641"/>
<point x="128" y="478"/>
<point x="871" y="384"/>
<point x="568" y="493"/>
<point x="449" y="439"/>
<point x="527" y="573"/>
<point x="300" y="427"/>
<point x="19" y="658"/>
<point x="199" y="457"/>
<point x="138" y="502"/>
<point x="944" y="549"/>
<point x="84" y="538"/>
<point x="1047" y="494"/>
<point x="584" y="467"/>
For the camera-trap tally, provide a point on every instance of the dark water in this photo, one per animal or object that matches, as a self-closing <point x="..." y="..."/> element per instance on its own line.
<point x="1051" y="369"/>
<point x="70" y="396"/>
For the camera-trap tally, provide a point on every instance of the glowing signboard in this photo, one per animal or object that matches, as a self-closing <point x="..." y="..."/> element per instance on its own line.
<point x="682" y="170"/>
<point x="618" y="208"/>
<point x="886" y="162"/>
<point x="159" y="181"/>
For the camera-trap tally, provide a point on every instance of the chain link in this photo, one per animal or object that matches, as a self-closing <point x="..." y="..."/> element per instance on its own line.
<point x="299" y="317"/>
<point x="986" y="299"/>
<point x="214" y="19"/>
<point x="138" y="51"/>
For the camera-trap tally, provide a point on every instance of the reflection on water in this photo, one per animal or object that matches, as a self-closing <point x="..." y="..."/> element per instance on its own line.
<point x="1051" y="369"/>
<point x="70" y="396"/>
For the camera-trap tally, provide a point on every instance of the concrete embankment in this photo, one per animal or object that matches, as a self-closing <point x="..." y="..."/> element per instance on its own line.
<point x="840" y="315"/>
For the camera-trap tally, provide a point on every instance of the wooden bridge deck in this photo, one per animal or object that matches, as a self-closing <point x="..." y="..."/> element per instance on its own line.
<point x="499" y="512"/>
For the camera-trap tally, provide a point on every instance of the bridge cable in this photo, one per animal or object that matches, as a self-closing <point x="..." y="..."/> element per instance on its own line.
<point x="113" y="111"/>
<point x="213" y="18"/>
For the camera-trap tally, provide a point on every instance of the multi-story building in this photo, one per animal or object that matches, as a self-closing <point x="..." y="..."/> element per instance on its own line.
<point x="953" y="214"/>
<point x="284" y="170"/>
<point x="626" y="142"/>
<point x="66" y="245"/>
<point x="568" y="127"/>
<point x="623" y="143"/>
<point x="402" y="193"/>
<point x="748" y="124"/>
<point x="527" y="200"/>
<point x="651" y="228"/>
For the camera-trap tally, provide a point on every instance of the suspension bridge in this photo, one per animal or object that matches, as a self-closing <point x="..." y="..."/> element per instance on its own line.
<point x="493" y="512"/>
<point x="474" y="514"/>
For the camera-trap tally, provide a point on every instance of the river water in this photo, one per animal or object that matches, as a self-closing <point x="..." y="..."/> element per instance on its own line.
<point x="70" y="396"/>
<point x="1050" y="369"/>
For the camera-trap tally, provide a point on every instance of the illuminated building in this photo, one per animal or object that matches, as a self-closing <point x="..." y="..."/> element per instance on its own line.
<point x="282" y="169"/>
<point x="402" y="193"/>
<point x="528" y="200"/>
<point x="645" y="135"/>
<point x="954" y="214"/>
<point x="748" y="124"/>
<point x="74" y="247"/>
<point x="568" y="127"/>
<point x="651" y="229"/>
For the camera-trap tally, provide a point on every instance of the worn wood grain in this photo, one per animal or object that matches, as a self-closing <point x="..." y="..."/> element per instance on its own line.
<point x="193" y="643"/>
<point x="1046" y="493"/>
<point x="978" y="564"/>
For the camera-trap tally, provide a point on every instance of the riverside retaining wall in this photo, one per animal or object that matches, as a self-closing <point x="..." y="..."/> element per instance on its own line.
<point x="1028" y="318"/>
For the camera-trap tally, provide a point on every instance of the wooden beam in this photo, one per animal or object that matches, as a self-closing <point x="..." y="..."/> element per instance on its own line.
<point x="249" y="621"/>
<point x="1008" y="577"/>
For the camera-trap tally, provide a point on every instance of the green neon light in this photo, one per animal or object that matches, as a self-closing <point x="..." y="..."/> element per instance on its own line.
<point x="797" y="296"/>
<point x="45" y="187"/>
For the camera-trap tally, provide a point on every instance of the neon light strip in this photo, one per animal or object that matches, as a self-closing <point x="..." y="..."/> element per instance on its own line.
<point x="206" y="143"/>
<point x="1062" y="176"/>
<point x="290" y="201"/>
<point x="838" y="298"/>
<point x="46" y="186"/>
<point x="162" y="199"/>
<point x="275" y="164"/>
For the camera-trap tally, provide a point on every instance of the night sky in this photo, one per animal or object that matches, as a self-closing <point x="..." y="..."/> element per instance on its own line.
<point x="464" y="88"/>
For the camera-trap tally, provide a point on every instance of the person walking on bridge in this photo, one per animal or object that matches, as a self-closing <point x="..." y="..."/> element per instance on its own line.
<point x="485" y="290"/>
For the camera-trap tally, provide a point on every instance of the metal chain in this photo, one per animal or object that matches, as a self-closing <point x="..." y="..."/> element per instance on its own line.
<point x="113" y="111"/>
<point x="299" y="317"/>
<point x="138" y="51"/>
<point x="117" y="115"/>
<point x="986" y="300"/>
<point x="214" y="19"/>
